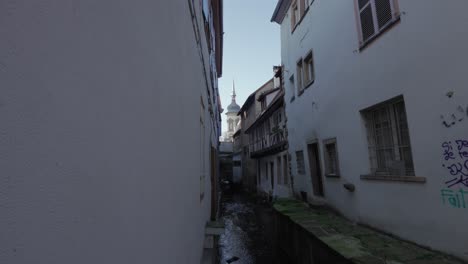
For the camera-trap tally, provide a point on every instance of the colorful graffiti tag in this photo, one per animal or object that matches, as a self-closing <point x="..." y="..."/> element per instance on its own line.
<point x="455" y="156"/>
<point x="453" y="198"/>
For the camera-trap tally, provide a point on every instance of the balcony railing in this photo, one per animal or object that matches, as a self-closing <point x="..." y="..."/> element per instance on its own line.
<point x="268" y="143"/>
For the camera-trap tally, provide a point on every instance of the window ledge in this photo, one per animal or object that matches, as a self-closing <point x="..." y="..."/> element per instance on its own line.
<point x="396" y="178"/>
<point x="300" y="92"/>
<point x="292" y="99"/>
<point x="332" y="175"/>
<point x="366" y="43"/>
<point x="309" y="84"/>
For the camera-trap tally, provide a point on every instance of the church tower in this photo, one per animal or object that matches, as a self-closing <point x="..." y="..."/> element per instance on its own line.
<point x="232" y="118"/>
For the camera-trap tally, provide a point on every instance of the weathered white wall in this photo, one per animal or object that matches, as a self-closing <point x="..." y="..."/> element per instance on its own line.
<point x="421" y="58"/>
<point x="94" y="106"/>
<point x="264" y="186"/>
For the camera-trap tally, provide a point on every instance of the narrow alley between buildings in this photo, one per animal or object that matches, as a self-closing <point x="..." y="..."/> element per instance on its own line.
<point x="248" y="229"/>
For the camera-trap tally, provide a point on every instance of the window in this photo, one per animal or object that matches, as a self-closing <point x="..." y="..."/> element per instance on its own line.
<point x="300" y="162"/>
<point x="300" y="87"/>
<point x="331" y="158"/>
<point x="285" y="170"/>
<point x="374" y="17"/>
<point x="389" y="141"/>
<point x="309" y="75"/>
<point x="292" y="87"/>
<point x="295" y="16"/>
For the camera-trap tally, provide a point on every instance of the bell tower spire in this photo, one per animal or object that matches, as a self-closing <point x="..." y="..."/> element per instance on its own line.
<point x="233" y="94"/>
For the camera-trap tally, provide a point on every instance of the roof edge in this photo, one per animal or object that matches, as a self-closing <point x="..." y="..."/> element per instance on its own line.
<point x="280" y="11"/>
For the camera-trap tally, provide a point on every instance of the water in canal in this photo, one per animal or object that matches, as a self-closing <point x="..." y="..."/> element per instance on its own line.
<point x="249" y="228"/>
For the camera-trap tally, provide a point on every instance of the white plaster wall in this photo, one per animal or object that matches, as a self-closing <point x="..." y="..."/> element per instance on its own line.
<point x="93" y="111"/>
<point x="421" y="58"/>
<point x="279" y="190"/>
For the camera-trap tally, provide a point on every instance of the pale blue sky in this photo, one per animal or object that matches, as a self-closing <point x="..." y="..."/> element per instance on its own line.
<point x="251" y="48"/>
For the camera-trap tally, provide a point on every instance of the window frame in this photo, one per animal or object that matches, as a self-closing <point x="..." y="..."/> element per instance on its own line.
<point x="395" y="10"/>
<point x="300" y="77"/>
<point x="390" y="107"/>
<point x="308" y="67"/>
<point x="294" y="16"/>
<point x="327" y="142"/>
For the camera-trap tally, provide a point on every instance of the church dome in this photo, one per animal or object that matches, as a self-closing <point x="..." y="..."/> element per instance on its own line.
<point x="233" y="108"/>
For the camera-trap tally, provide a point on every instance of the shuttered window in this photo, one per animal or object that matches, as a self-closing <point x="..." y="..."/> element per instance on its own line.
<point x="375" y="16"/>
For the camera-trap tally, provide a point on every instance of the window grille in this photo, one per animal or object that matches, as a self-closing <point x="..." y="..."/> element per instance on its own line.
<point x="389" y="141"/>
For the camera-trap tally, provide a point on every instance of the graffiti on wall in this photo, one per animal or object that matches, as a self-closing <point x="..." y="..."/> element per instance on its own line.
<point x="460" y="114"/>
<point x="454" y="198"/>
<point x="455" y="161"/>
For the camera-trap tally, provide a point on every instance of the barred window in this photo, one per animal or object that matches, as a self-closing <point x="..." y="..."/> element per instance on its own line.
<point x="375" y="16"/>
<point x="388" y="137"/>
<point x="331" y="157"/>
<point x="300" y="162"/>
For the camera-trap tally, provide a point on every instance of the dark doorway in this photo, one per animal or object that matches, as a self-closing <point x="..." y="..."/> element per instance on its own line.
<point x="315" y="171"/>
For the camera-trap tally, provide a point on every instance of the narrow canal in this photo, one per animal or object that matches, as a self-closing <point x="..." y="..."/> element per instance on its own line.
<point x="249" y="228"/>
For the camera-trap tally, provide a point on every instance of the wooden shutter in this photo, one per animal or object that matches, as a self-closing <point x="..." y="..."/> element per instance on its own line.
<point x="367" y="19"/>
<point x="383" y="9"/>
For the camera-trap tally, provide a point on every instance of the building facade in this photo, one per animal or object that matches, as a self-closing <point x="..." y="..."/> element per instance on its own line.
<point x="248" y="113"/>
<point x="96" y="101"/>
<point x="376" y="102"/>
<point x="237" y="156"/>
<point x="268" y="142"/>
